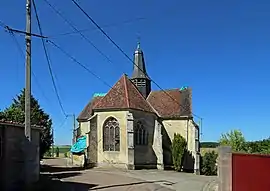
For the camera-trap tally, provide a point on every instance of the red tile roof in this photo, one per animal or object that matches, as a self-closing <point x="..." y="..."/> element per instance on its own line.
<point x="124" y="95"/>
<point x="170" y="103"/>
<point x="87" y="111"/>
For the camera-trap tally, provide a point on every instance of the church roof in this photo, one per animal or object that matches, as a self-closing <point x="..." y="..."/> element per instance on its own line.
<point x="124" y="95"/>
<point x="87" y="111"/>
<point x="171" y="103"/>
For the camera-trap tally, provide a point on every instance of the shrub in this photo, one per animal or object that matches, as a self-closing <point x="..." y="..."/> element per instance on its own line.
<point x="208" y="163"/>
<point x="66" y="155"/>
<point x="57" y="152"/>
<point x="178" y="150"/>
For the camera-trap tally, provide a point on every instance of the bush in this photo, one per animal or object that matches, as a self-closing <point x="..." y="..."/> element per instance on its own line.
<point x="208" y="163"/>
<point x="66" y="155"/>
<point x="178" y="150"/>
<point x="57" y="152"/>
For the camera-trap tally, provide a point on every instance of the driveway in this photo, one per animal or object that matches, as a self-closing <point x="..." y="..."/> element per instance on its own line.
<point x="117" y="179"/>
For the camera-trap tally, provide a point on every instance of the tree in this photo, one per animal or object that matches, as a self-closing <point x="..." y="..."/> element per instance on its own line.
<point x="208" y="163"/>
<point x="259" y="147"/>
<point x="179" y="145"/>
<point x="57" y="151"/>
<point x="235" y="139"/>
<point x="38" y="117"/>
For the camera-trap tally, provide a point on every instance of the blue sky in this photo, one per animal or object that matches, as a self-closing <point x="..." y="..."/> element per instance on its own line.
<point x="219" y="48"/>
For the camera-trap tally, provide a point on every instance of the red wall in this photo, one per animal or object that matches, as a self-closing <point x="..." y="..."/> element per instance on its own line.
<point x="250" y="172"/>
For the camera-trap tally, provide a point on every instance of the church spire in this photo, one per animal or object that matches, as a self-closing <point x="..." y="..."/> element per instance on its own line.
<point x="139" y="76"/>
<point x="139" y="69"/>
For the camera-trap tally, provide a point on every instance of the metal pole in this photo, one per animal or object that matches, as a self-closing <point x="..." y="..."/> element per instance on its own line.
<point x="52" y="142"/>
<point x="74" y="127"/>
<point x="28" y="72"/>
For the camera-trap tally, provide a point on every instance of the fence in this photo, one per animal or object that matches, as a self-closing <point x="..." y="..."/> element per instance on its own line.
<point x="243" y="172"/>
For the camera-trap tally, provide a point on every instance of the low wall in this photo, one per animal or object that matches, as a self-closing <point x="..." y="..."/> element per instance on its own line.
<point x="20" y="158"/>
<point x="242" y="172"/>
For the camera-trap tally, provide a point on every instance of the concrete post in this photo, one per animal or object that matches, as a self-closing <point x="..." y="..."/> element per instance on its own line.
<point x="225" y="168"/>
<point x="157" y="145"/>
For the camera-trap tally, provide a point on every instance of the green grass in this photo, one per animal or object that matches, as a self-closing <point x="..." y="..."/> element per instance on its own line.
<point x="62" y="148"/>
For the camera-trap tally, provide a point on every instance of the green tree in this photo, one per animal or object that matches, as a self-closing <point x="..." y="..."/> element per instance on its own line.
<point x="38" y="117"/>
<point x="259" y="147"/>
<point x="235" y="139"/>
<point x="57" y="151"/>
<point x="208" y="163"/>
<point x="178" y="147"/>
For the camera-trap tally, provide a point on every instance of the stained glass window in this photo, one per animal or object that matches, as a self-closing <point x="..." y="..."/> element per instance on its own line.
<point x="140" y="134"/>
<point x="111" y="135"/>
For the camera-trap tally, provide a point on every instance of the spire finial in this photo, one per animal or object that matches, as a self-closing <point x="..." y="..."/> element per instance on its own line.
<point x="139" y="43"/>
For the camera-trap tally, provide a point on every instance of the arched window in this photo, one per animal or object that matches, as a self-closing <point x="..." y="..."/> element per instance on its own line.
<point x="111" y="135"/>
<point x="140" y="134"/>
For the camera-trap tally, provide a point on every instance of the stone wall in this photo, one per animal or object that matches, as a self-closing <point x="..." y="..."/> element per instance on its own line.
<point x="150" y="155"/>
<point x="15" y="170"/>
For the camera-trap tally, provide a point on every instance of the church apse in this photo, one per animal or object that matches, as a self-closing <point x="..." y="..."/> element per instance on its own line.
<point x="112" y="144"/>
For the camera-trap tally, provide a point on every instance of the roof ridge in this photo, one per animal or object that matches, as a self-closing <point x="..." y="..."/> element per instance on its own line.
<point x="106" y="94"/>
<point x="140" y="93"/>
<point x="126" y="91"/>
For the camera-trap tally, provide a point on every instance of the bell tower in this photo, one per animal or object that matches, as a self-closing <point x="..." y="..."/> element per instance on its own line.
<point x="139" y="76"/>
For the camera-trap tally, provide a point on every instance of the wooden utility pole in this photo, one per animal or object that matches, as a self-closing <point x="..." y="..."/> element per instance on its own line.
<point x="28" y="72"/>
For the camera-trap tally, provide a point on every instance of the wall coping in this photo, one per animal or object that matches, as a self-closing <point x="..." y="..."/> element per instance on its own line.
<point x="14" y="124"/>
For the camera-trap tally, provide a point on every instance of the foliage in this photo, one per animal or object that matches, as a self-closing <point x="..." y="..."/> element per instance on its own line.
<point x="38" y="117"/>
<point x="260" y="147"/>
<point x="209" y="144"/>
<point x="66" y="155"/>
<point x="235" y="139"/>
<point x="57" y="151"/>
<point x="208" y="164"/>
<point x="178" y="150"/>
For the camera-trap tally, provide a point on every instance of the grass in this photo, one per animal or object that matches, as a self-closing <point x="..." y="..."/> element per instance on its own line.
<point x="62" y="148"/>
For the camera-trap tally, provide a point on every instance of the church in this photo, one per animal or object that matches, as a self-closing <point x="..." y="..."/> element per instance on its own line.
<point x="132" y="126"/>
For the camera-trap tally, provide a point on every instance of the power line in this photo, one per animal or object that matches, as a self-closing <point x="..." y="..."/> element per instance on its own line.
<point x="125" y="54"/>
<point x="104" y="26"/>
<point x="48" y="60"/>
<point x="79" y="63"/>
<point x="78" y="31"/>
<point x="22" y="54"/>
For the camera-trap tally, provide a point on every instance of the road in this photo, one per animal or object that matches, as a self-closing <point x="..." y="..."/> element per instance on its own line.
<point x="120" y="180"/>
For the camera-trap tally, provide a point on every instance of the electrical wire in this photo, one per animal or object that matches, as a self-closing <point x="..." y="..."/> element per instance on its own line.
<point x="48" y="60"/>
<point x="78" y="31"/>
<point x="92" y="29"/>
<point x="23" y="56"/>
<point x="79" y="63"/>
<point x="125" y="54"/>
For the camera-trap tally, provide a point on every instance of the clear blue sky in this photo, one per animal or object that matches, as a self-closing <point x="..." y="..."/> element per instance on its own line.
<point x="219" y="48"/>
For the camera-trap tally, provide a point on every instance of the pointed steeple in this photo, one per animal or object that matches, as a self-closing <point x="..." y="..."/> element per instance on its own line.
<point x="139" y="76"/>
<point x="139" y="69"/>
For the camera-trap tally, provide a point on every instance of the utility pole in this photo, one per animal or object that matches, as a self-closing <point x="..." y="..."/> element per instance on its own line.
<point x="74" y="127"/>
<point x="27" y="130"/>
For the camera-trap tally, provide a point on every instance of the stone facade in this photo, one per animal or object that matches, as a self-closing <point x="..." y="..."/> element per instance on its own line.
<point x="157" y="152"/>
<point x="14" y="146"/>
<point x="132" y="126"/>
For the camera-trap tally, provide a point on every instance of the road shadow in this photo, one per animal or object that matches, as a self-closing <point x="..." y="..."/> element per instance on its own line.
<point x="48" y="182"/>
<point x="54" y="169"/>
<point x="133" y="184"/>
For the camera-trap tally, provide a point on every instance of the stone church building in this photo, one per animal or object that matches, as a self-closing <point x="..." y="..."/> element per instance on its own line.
<point x="132" y="126"/>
